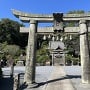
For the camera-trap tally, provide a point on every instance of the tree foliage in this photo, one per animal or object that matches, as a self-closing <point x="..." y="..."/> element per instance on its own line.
<point x="12" y="50"/>
<point x="76" y="12"/>
<point x="43" y="53"/>
<point x="11" y="40"/>
<point x="9" y="32"/>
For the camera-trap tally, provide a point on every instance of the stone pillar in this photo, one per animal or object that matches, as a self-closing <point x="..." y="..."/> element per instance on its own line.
<point x="84" y="52"/>
<point x="31" y="54"/>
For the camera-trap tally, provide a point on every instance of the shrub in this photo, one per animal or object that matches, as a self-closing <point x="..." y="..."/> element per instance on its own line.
<point x="70" y="59"/>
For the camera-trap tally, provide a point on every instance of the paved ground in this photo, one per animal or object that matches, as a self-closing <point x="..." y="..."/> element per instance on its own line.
<point x="58" y="80"/>
<point x="50" y="78"/>
<point x="74" y="73"/>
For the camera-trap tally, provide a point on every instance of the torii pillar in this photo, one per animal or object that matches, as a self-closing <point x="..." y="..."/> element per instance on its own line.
<point x="84" y="52"/>
<point x="31" y="54"/>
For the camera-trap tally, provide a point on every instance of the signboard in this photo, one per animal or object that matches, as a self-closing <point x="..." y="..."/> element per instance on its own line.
<point x="58" y="22"/>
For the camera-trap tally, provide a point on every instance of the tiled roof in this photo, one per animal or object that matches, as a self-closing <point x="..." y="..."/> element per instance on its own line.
<point x="56" y="45"/>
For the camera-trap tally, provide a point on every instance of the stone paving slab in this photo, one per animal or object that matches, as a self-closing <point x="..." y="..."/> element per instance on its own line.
<point x="58" y="80"/>
<point x="74" y="73"/>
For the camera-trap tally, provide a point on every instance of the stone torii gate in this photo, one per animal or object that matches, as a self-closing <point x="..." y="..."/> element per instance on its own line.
<point x="58" y="19"/>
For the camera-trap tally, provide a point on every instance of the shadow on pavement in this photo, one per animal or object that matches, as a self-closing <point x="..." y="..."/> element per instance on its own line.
<point x="58" y="79"/>
<point x="73" y="76"/>
<point x="23" y="86"/>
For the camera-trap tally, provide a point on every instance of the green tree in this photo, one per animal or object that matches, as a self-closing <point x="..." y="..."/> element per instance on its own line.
<point x="9" y="32"/>
<point x="12" y="50"/>
<point x="11" y="53"/>
<point x="43" y="53"/>
<point x="76" y="12"/>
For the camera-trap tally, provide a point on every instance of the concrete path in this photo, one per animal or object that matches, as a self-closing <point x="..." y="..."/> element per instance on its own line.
<point x="58" y="80"/>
